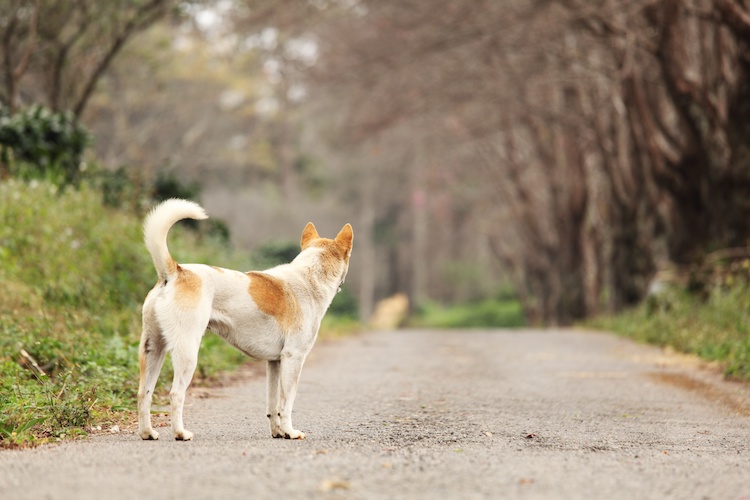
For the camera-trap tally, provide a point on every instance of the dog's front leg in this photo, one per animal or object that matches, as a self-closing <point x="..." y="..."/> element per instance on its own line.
<point x="290" y="369"/>
<point x="272" y="401"/>
<point x="184" y="360"/>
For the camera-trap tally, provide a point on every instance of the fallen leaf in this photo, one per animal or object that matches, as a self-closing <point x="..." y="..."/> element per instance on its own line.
<point x="335" y="484"/>
<point x="530" y="436"/>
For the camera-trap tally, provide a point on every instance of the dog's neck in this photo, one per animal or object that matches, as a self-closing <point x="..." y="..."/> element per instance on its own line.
<point x="317" y="280"/>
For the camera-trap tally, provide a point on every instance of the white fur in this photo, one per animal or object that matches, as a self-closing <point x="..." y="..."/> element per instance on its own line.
<point x="225" y="306"/>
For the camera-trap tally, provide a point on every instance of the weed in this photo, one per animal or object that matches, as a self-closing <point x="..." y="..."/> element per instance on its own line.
<point x="73" y="274"/>
<point x="490" y="313"/>
<point x="714" y="328"/>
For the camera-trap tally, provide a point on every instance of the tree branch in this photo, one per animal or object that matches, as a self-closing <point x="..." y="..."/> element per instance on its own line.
<point x="10" y="82"/>
<point x="30" y="44"/>
<point x="142" y="19"/>
<point x="735" y="17"/>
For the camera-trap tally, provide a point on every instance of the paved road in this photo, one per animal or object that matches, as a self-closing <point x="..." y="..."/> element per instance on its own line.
<point x="416" y="414"/>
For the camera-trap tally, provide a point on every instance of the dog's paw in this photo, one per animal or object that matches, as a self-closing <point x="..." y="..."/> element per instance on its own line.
<point x="183" y="435"/>
<point x="149" y="435"/>
<point x="276" y="431"/>
<point x="294" y="435"/>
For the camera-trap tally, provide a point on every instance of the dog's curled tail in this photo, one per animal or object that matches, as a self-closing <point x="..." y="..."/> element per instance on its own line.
<point x="156" y="227"/>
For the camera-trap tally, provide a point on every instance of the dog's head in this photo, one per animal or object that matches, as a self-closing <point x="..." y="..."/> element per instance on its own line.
<point x="334" y="254"/>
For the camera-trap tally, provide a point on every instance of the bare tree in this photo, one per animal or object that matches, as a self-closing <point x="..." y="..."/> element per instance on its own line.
<point x="18" y="44"/>
<point x="67" y="46"/>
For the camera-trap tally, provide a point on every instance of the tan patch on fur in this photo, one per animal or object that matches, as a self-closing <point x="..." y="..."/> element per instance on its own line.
<point x="142" y="362"/>
<point x="274" y="298"/>
<point x="217" y="269"/>
<point x="172" y="266"/>
<point x="309" y="234"/>
<point x="335" y="252"/>
<point x="332" y="257"/>
<point x="187" y="292"/>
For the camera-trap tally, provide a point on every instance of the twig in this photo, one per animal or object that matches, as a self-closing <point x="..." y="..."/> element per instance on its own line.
<point x="29" y="361"/>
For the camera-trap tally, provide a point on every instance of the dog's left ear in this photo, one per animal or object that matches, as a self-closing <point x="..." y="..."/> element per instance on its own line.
<point x="345" y="238"/>
<point x="308" y="234"/>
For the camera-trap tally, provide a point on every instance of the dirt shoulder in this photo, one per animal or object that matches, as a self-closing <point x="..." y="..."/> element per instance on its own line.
<point x="421" y="414"/>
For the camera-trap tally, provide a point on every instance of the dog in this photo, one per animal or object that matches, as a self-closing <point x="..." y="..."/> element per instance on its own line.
<point x="273" y="315"/>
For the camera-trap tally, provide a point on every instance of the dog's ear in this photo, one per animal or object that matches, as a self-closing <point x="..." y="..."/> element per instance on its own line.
<point x="308" y="234"/>
<point x="345" y="238"/>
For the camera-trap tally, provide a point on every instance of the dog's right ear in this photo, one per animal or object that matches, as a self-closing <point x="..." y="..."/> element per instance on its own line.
<point x="308" y="235"/>
<point x="345" y="238"/>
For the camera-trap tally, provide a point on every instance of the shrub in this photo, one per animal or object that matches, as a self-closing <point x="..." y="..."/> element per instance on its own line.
<point x="73" y="274"/>
<point x="274" y="253"/>
<point x="168" y="185"/>
<point x="489" y="313"/>
<point x="712" y="327"/>
<point x="37" y="143"/>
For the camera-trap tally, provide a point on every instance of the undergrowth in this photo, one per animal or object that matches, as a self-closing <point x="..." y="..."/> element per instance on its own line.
<point x="500" y="312"/>
<point x="73" y="275"/>
<point x="713" y="326"/>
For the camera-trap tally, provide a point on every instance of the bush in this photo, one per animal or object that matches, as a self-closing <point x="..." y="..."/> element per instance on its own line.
<point x="712" y="327"/>
<point x="39" y="144"/>
<point x="118" y="187"/>
<point x="275" y="253"/>
<point x="489" y="313"/>
<point x="168" y="185"/>
<point x="73" y="275"/>
<point x="345" y="304"/>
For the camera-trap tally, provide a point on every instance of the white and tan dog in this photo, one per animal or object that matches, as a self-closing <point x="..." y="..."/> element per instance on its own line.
<point x="272" y="315"/>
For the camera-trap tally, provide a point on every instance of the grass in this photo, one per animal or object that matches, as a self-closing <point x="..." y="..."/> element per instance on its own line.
<point x="73" y="274"/>
<point x="335" y="326"/>
<point x="489" y="313"/>
<point x="714" y="328"/>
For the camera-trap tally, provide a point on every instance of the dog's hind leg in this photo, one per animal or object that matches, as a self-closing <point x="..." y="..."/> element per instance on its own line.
<point x="272" y="398"/>
<point x="184" y="361"/>
<point x="151" y="353"/>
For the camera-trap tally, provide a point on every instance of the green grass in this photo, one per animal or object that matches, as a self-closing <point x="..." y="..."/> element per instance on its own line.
<point x="715" y="329"/>
<point x="73" y="275"/>
<point x="490" y="313"/>
<point x="335" y="326"/>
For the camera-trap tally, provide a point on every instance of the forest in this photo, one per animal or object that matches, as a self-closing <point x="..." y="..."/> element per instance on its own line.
<point x="573" y="153"/>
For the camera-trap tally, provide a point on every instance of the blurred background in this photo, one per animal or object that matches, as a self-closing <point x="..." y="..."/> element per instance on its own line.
<point x="503" y="163"/>
<point x="558" y="153"/>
